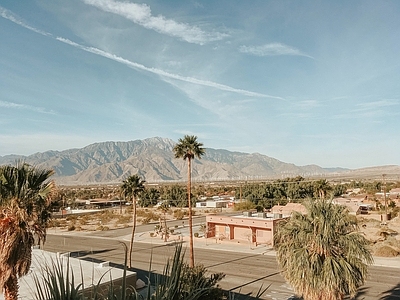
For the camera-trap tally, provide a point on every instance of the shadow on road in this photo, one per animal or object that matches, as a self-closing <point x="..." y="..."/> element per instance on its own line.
<point x="392" y="294"/>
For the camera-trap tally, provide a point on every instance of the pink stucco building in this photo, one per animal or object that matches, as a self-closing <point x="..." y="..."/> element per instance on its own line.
<point x="254" y="228"/>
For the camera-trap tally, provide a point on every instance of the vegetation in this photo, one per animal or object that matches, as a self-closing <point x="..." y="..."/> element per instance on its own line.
<point x="321" y="254"/>
<point x="189" y="148"/>
<point x="131" y="188"/>
<point x="24" y="213"/>
<point x="149" y="197"/>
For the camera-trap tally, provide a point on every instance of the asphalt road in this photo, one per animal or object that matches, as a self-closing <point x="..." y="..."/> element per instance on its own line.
<point x="245" y="272"/>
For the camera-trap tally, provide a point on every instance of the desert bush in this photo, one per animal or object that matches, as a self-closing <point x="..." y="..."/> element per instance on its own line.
<point x="71" y="227"/>
<point x="102" y="228"/>
<point x="146" y="220"/>
<point x="179" y="214"/>
<point x="386" y="251"/>
<point x="71" y="218"/>
<point x="147" y="215"/>
<point x="54" y="223"/>
<point x="196" y="234"/>
<point x="83" y="221"/>
<point x="105" y="216"/>
<point x="124" y="219"/>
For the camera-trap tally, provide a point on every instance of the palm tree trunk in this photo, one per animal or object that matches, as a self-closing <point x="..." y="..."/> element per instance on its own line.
<point x="133" y="232"/>
<point x="189" y="188"/>
<point x="11" y="288"/>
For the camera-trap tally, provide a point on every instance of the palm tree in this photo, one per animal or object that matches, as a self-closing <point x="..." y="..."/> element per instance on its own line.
<point x="189" y="148"/>
<point x="321" y="254"/>
<point x="321" y="188"/>
<point x="131" y="188"/>
<point x="24" y="213"/>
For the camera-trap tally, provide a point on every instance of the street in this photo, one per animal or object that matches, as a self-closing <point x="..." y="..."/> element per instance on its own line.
<point x="245" y="272"/>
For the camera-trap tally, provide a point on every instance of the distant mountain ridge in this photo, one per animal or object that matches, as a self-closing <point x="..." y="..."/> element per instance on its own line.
<point x="153" y="159"/>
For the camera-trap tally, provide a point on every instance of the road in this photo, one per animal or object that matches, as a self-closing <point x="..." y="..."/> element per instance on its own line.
<point x="245" y="272"/>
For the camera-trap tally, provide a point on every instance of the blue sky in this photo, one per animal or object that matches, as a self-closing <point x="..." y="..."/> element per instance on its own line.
<point x="306" y="82"/>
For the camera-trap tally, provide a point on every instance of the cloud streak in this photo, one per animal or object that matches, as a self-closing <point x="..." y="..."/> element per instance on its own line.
<point x="6" y="14"/>
<point x="273" y="49"/>
<point x="163" y="73"/>
<point x="12" y="105"/>
<point x="9" y="16"/>
<point x="141" y="14"/>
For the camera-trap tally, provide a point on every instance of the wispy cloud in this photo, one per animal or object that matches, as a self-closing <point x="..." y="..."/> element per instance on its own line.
<point x="308" y="104"/>
<point x="12" y="105"/>
<point x="138" y="66"/>
<point x="164" y="73"/>
<point x="141" y="14"/>
<point x="6" y="14"/>
<point x="372" y="109"/>
<point x="374" y="105"/>
<point x="272" y="49"/>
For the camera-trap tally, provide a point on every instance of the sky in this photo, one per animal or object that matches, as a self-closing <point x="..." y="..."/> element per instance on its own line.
<point x="305" y="82"/>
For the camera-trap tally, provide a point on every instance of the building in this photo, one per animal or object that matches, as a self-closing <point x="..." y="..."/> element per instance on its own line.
<point x="86" y="273"/>
<point x="255" y="228"/>
<point x="212" y="204"/>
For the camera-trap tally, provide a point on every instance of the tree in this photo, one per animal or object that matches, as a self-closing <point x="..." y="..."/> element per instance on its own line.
<point x="321" y="188"/>
<point x="24" y="214"/>
<point x="321" y="254"/>
<point x="149" y="197"/>
<point x="189" y="148"/>
<point x="131" y="188"/>
<point x="175" y="194"/>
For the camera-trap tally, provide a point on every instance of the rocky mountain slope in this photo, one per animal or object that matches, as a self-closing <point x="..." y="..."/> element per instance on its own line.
<point x="153" y="159"/>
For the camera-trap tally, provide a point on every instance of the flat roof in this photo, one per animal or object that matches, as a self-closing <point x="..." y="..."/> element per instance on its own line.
<point x="92" y="272"/>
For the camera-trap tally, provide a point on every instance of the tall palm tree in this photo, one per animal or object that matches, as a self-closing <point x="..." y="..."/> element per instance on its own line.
<point x="131" y="188"/>
<point x="24" y="213"/>
<point x="321" y="254"/>
<point x="189" y="148"/>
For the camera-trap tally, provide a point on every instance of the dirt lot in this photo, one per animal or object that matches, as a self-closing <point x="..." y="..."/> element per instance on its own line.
<point x="385" y="239"/>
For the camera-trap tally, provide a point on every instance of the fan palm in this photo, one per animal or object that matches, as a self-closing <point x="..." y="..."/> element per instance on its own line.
<point x="24" y="213"/>
<point x="321" y="254"/>
<point x="189" y="148"/>
<point x="131" y="188"/>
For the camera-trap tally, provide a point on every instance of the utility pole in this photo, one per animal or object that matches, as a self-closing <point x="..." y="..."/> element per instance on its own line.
<point x="240" y="192"/>
<point x="384" y="197"/>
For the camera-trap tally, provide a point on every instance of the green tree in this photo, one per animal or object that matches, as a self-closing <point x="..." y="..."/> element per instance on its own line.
<point x="149" y="197"/>
<point x="321" y="254"/>
<point x="131" y="188"/>
<point x="189" y="148"/>
<point x="24" y="213"/>
<point x="175" y="194"/>
<point x="321" y="188"/>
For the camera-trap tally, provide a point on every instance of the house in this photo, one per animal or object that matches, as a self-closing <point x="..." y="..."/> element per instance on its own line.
<point x="212" y="204"/>
<point x="254" y="229"/>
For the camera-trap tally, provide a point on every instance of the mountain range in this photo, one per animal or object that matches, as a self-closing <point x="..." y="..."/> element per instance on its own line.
<point x="153" y="159"/>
